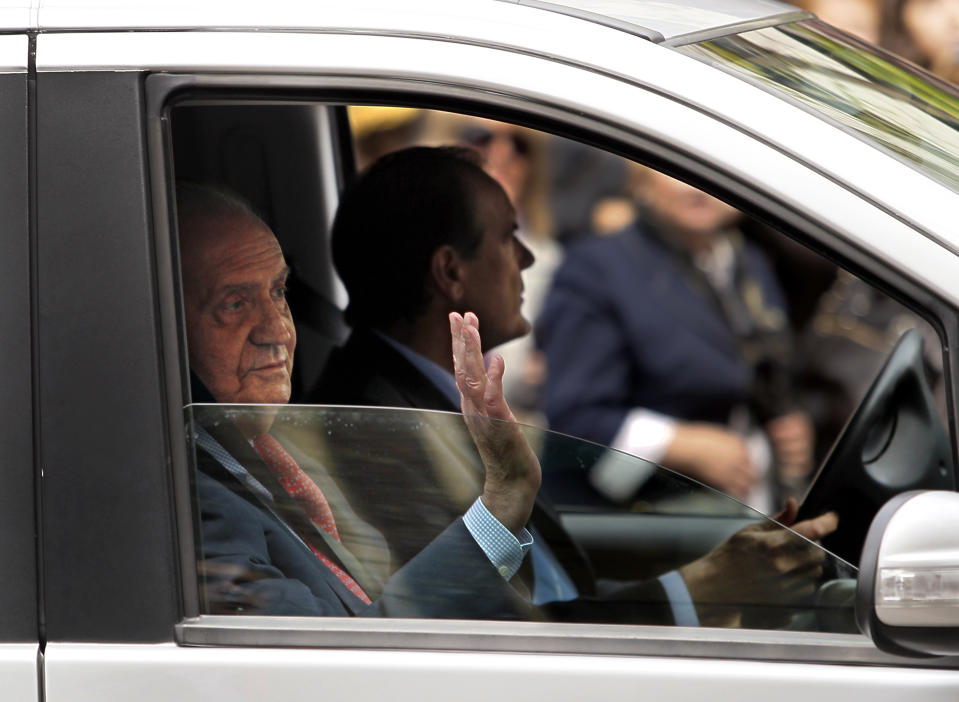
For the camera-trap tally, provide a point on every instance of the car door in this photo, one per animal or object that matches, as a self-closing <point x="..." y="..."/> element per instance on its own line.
<point x="20" y="652"/>
<point x="122" y="605"/>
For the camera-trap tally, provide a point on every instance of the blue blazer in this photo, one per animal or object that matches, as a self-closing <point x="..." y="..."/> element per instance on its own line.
<point x="623" y="327"/>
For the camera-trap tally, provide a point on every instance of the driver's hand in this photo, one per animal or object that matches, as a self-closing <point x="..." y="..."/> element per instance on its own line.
<point x="513" y="473"/>
<point x="759" y="570"/>
<point x="714" y="455"/>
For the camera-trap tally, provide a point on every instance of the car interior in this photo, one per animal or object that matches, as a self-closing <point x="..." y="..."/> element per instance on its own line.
<point x="887" y="433"/>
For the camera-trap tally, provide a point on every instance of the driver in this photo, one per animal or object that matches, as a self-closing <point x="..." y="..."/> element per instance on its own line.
<point x="424" y="233"/>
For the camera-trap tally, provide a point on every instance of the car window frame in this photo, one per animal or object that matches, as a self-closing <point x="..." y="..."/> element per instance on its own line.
<point x="19" y="614"/>
<point x="164" y="91"/>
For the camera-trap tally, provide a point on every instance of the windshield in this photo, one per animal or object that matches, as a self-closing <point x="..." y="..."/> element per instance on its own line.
<point x="395" y="484"/>
<point x="879" y="97"/>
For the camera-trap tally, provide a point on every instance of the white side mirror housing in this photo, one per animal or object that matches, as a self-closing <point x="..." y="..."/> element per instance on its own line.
<point x="907" y="598"/>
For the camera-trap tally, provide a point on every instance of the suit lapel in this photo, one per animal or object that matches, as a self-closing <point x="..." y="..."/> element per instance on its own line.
<point x="289" y="513"/>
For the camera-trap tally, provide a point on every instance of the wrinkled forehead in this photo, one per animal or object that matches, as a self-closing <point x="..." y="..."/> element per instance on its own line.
<point x="215" y="250"/>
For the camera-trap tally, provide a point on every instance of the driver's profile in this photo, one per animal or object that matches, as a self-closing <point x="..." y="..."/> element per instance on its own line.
<point x="392" y="241"/>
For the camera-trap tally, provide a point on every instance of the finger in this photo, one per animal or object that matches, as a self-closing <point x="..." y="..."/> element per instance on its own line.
<point x="788" y="513"/>
<point x="468" y="379"/>
<point x="456" y="334"/>
<point x="470" y="373"/>
<point x="818" y="527"/>
<point x="494" y="374"/>
<point x="495" y="400"/>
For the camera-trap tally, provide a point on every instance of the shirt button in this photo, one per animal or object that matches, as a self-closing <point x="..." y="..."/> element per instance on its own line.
<point x="503" y="570"/>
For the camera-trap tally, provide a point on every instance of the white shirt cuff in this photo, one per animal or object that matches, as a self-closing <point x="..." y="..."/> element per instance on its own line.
<point x="644" y="433"/>
<point x="680" y="601"/>
<point x="502" y="548"/>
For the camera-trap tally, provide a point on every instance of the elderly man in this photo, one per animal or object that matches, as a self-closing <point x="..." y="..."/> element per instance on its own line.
<point x="425" y="233"/>
<point x="269" y="534"/>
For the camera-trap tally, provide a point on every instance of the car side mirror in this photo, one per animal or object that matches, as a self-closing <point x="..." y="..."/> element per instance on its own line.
<point x="907" y="597"/>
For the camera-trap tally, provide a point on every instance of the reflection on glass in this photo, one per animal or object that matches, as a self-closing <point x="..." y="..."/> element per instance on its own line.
<point x="879" y="97"/>
<point x="395" y="480"/>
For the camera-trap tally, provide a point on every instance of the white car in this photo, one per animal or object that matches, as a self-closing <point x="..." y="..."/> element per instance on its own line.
<point x="842" y="147"/>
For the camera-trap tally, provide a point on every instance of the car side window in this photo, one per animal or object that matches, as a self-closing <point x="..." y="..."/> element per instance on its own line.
<point x="662" y="323"/>
<point x="395" y="482"/>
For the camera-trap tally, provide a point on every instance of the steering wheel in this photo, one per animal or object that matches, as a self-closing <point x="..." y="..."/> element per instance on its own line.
<point x="894" y="441"/>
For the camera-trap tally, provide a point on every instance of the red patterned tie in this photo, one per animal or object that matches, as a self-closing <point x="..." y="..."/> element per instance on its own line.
<point x="301" y="488"/>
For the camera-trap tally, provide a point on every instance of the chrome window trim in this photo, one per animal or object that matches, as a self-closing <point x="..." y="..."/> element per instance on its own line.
<point x="541" y="637"/>
<point x="738" y="28"/>
<point x="594" y="17"/>
<point x="655" y="35"/>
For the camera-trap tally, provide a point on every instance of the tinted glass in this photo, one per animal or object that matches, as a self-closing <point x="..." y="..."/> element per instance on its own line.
<point x="874" y="94"/>
<point x="395" y="482"/>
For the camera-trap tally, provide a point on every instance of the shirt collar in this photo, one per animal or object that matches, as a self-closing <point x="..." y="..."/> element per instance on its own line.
<point x="435" y="373"/>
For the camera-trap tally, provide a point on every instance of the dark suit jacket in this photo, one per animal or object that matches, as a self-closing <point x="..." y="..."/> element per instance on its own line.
<point x="253" y="563"/>
<point x="367" y="371"/>
<point x="624" y="327"/>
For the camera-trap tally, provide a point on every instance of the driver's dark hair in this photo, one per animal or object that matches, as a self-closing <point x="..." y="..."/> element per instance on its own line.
<point x="391" y="220"/>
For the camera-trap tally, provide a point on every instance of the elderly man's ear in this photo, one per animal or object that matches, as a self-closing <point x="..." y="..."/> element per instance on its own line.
<point x="446" y="274"/>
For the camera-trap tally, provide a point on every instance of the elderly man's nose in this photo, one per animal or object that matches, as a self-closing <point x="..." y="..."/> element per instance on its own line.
<point x="273" y="326"/>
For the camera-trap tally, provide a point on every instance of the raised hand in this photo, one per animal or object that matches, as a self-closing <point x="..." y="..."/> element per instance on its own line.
<point x="513" y="474"/>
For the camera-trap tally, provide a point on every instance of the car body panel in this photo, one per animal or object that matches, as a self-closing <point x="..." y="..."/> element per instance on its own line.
<point x="92" y="673"/>
<point x="18" y="15"/>
<point x="13" y="52"/>
<point x="20" y="671"/>
<point x="719" y="119"/>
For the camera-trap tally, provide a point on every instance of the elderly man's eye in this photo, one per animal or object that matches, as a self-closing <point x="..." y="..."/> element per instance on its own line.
<point x="280" y="293"/>
<point x="233" y="305"/>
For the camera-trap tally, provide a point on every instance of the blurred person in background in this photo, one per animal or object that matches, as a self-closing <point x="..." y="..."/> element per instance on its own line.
<point x="378" y="130"/>
<point x="858" y="17"/>
<point x="670" y="340"/>
<point x="588" y="190"/>
<point x="923" y="31"/>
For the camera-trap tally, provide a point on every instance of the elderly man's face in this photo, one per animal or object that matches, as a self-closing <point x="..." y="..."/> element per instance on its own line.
<point x="239" y="329"/>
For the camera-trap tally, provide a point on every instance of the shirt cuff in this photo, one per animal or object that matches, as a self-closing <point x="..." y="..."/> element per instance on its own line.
<point x="644" y="433"/>
<point x="502" y="548"/>
<point x="680" y="601"/>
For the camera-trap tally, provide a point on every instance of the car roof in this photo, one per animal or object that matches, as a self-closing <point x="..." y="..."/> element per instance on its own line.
<point x="656" y="20"/>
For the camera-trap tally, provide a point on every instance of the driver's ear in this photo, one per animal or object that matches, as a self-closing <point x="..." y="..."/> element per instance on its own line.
<point x="446" y="273"/>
